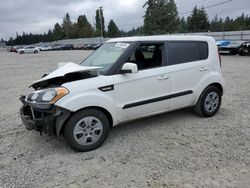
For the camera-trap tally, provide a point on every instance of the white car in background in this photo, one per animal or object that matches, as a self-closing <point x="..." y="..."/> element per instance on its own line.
<point x="28" y="49"/>
<point x="45" y="48"/>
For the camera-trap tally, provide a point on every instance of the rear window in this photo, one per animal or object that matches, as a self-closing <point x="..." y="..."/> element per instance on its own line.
<point x="186" y="51"/>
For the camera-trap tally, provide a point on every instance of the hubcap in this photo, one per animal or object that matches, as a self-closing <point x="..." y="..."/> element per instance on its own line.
<point x="88" y="130"/>
<point x="211" y="101"/>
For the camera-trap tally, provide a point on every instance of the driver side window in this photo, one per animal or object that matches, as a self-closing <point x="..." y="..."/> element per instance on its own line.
<point x="147" y="56"/>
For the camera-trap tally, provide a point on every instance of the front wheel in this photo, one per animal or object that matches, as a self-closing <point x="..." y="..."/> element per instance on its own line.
<point x="209" y="102"/>
<point x="87" y="129"/>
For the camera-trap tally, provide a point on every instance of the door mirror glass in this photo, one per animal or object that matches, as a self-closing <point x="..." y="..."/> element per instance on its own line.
<point x="129" y="68"/>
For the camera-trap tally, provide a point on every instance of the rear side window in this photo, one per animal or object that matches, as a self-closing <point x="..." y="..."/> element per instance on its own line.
<point x="203" y="50"/>
<point x="186" y="51"/>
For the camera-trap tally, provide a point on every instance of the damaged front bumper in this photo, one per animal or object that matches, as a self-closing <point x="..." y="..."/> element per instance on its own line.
<point x="49" y="120"/>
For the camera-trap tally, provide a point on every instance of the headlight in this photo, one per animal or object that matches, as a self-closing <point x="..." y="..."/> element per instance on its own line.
<point x="50" y="95"/>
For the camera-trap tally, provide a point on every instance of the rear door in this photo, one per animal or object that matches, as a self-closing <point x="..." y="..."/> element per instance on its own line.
<point x="189" y="65"/>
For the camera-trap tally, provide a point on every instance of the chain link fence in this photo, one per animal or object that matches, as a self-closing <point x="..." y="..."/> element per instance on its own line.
<point x="227" y="35"/>
<point x="77" y="41"/>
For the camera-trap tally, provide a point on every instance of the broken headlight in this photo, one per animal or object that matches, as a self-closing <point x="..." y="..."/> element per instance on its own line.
<point x="50" y="95"/>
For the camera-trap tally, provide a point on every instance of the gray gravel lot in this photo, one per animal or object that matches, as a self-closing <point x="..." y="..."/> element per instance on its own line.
<point x="177" y="149"/>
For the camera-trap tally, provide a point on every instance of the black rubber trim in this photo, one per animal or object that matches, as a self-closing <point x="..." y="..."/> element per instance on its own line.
<point x="158" y="99"/>
<point x="106" y="88"/>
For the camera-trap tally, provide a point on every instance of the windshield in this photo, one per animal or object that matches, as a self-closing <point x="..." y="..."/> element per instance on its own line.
<point x="235" y="43"/>
<point x="106" y="55"/>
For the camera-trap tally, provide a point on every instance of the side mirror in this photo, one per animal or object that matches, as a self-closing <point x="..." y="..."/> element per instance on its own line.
<point x="129" y="68"/>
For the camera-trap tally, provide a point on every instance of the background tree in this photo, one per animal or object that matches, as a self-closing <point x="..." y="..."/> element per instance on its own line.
<point x="161" y="17"/>
<point x="229" y="24"/>
<point x="158" y="19"/>
<point x="49" y="36"/>
<point x="58" y="32"/>
<point x="84" y="27"/>
<point x="113" y="30"/>
<point x="198" y="21"/>
<point x="183" y="26"/>
<point x="99" y="22"/>
<point x="67" y="26"/>
<point x="216" y="24"/>
<point x="240" y="22"/>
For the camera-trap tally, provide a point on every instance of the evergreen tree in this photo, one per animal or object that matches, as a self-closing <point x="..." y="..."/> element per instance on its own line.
<point x="134" y="32"/>
<point x="229" y="24"/>
<point x="198" y="21"/>
<point x="99" y="19"/>
<point x="161" y="17"/>
<point x="67" y="26"/>
<point x="84" y="27"/>
<point x="11" y="42"/>
<point x="113" y="30"/>
<point x="240" y="22"/>
<point x="182" y="26"/>
<point x="57" y="32"/>
<point x="216" y="24"/>
<point x="74" y="31"/>
<point x="49" y="36"/>
<point x="247" y="22"/>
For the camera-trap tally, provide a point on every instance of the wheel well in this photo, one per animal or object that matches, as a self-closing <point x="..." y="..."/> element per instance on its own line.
<point x="219" y="86"/>
<point x="92" y="107"/>
<point x="106" y="112"/>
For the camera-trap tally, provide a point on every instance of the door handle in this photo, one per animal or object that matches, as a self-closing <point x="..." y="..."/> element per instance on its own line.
<point x="163" y="77"/>
<point x="203" y="69"/>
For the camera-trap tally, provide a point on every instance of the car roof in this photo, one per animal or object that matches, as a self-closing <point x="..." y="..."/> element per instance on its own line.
<point x="162" y="38"/>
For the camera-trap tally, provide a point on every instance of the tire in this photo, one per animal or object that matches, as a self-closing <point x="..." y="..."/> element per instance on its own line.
<point x="35" y="52"/>
<point x="241" y="54"/>
<point x="22" y="52"/>
<point x="209" y="102"/>
<point x="87" y="129"/>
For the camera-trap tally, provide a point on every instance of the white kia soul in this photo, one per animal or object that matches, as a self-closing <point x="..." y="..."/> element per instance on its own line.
<point x="125" y="79"/>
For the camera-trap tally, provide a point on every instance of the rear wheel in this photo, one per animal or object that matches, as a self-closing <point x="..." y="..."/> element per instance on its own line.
<point x="22" y="52"/>
<point x="242" y="52"/>
<point x="87" y="129"/>
<point x="35" y="51"/>
<point x="209" y="102"/>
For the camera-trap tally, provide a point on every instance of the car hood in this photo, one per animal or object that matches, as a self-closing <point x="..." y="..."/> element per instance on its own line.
<point x="66" y="72"/>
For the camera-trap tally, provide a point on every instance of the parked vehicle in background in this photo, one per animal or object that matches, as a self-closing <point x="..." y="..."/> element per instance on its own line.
<point x="80" y="46"/>
<point x="223" y="42"/>
<point x="14" y="48"/>
<point x="231" y="49"/>
<point x="96" y="46"/>
<point x="89" y="46"/>
<point x="45" y="48"/>
<point x="28" y="49"/>
<point x="67" y="47"/>
<point x="57" y="46"/>
<point x="119" y="82"/>
<point x="244" y="49"/>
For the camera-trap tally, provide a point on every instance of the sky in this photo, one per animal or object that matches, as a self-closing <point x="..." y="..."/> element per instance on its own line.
<point x="37" y="16"/>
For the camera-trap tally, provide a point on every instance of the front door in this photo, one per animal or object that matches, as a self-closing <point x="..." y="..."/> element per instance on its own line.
<point x="144" y="92"/>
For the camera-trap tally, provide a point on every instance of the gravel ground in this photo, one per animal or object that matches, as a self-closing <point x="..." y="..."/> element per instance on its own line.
<point x="177" y="149"/>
